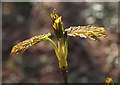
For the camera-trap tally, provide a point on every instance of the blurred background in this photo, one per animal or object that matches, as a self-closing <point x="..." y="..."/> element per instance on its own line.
<point x="89" y="61"/>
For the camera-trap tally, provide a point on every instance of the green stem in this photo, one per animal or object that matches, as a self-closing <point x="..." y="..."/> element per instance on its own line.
<point x="62" y="49"/>
<point x="61" y="53"/>
<point x="54" y="45"/>
<point x="66" y="46"/>
<point x="62" y="56"/>
<point x="61" y="46"/>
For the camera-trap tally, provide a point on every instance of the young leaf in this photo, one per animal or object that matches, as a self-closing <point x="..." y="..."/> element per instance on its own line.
<point x="22" y="46"/>
<point x="54" y="15"/>
<point x="57" y="24"/>
<point x="92" y="32"/>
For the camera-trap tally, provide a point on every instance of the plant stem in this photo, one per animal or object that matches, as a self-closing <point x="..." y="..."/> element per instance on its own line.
<point x="62" y="49"/>
<point x="54" y="45"/>
<point x="66" y="46"/>
<point x="64" y="75"/>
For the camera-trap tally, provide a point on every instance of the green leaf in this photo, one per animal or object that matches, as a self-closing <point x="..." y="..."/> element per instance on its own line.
<point x="22" y="46"/>
<point x="91" y="32"/>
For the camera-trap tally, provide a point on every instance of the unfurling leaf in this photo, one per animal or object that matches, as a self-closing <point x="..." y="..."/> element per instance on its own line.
<point x="92" y="32"/>
<point x="54" y="15"/>
<point x="22" y="46"/>
<point x="57" y="24"/>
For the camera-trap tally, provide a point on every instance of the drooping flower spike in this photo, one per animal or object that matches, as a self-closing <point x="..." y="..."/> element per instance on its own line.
<point x="91" y="32"/>
<point x="22" y="46"/>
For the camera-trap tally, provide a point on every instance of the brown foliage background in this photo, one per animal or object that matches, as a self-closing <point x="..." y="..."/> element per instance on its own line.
<point x="89" y="61"/>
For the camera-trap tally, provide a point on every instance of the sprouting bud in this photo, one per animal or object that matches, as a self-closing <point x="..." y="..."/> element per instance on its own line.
<point x="109" y="81"/>
<point x="91" y="32"/>
<point x="57" y="24"/>
<point x="54" y="15"/>
<point x="22" y="46"/>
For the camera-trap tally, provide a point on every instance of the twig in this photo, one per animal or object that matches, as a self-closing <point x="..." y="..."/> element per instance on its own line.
<point x="64" y="75"/>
